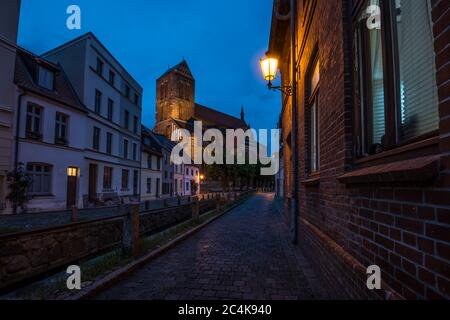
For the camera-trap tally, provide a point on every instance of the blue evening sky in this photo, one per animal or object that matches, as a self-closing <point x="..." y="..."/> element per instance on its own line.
<point x="222" y="40"/>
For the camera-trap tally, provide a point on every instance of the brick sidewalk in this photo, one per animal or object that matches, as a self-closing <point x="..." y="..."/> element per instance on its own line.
<point x="244" y="255"/>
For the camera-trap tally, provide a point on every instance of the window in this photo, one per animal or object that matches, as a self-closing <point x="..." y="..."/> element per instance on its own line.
<point x="125" y="179"/>
<point x="149" y="185"/>
<point x="96" y="139"/>
<point x="396" y="91"/>
<point x="135" y="182"/>
<point x="34" y="122"/>
<point x="46" y="78"/>
<point x="166" y="175"/>
<point x="41" y="178"/>
<point x="61" y="124"/>
<point x="313" y="116"/>
<point x="109" y="138"/>
<point x="126" y="121"/>
<point x="127" y="92"/>
<point x="98" y="101"/>
<point x="134" y="151"/>
<point x="149" y="162"/>
<point x="135" y="125"/>
<point x="99" y="67"/>
<point x="136" y="99"/>
<point x="107" y="178"/>
<point x="187" y="171"/>
<point x="125" y="149"/>
<point x="110" y="109"/>
<point x="187" y="186"/>
<point x="112" y="77"/>
<point x="158" y="163"/>
<point x="158" y="181"/>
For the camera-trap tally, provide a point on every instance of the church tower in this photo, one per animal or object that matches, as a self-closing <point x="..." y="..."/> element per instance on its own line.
<point x="175" y="97"/>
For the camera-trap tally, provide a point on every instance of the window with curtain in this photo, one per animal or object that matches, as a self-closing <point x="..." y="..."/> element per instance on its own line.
<point x="416" y="61"/>
<point x="395" y="75"/>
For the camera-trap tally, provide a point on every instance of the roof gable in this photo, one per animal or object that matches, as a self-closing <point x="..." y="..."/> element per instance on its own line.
<point x="26" y="75"/>
<point x="181" y="68"/>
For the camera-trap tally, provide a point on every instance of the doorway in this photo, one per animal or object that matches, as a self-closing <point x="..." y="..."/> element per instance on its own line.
<point x="72" y="178"/>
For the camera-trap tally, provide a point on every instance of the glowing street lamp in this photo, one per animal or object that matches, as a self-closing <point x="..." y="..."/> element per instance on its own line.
<point x="269" y="68"/>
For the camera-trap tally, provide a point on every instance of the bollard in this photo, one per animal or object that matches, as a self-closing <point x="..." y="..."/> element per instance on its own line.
<point x="218" y="206"/>
<point x="130" y="237"/>
<point x="196" y="209"/>
<point x="74" y="214"/>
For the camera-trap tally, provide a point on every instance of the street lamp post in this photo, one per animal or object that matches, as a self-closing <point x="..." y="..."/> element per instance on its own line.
<point x="269" y="67"/>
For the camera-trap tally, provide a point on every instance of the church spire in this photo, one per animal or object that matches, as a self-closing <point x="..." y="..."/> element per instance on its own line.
<point x="242" y="113"/>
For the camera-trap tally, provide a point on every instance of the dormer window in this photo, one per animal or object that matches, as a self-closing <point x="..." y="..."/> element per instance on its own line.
<point x="46" y="78"/>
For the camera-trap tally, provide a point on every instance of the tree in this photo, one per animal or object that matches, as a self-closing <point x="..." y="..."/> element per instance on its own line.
<point x="19" y="181"/>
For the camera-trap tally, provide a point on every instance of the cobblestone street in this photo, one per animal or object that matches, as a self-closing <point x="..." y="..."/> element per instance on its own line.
<point x="243" y="255"/>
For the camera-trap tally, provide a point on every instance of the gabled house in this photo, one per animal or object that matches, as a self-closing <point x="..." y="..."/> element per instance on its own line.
<point x="113" y="99"/>
<point x="49" y="143"/>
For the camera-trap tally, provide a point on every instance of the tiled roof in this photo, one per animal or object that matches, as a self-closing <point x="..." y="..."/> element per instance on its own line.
<point x="165" y="142"/>
<point x="153" y="146"/>
<point x="218" y="118"/>
<point x="26" y="75"/>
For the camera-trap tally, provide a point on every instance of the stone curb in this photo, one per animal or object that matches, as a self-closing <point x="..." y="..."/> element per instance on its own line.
<point x="121" y="273"/>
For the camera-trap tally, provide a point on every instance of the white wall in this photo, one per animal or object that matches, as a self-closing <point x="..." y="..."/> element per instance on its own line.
<point x="59" y="157"/>
<point x="152" y="173"/>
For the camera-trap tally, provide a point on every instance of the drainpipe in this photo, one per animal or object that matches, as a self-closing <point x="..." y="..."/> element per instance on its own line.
<point x="295" y="162"/>
<point x="16" y="142"/>
<point x="292" y="15"/>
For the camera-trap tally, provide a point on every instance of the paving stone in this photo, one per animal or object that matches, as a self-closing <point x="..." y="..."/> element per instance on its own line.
<point x="246" y="254"/>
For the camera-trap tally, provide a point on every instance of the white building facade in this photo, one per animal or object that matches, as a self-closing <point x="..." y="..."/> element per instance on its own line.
<point x="50" y="144"/>
<point x="113" y="132"/>
<point x="151" y="167"/>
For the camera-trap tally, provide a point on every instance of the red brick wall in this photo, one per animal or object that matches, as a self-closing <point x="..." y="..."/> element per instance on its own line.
<point x="402" y="227"/>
